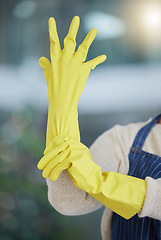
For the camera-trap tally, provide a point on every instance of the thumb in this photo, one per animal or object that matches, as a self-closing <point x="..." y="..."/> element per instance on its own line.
<point x="45" y="64"/>
<point x="94" y="62"/>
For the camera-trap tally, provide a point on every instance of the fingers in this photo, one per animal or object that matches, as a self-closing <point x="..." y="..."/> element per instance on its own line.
<point x="58" y="169"/>
<point x="94" y="62"/>
<point x="55" y="47"/>
<point x="52" y="154"/>
<point x="50" y="167"/>
<point x="84" y="47"/>
<point x="70" y="39"/>
<point x="45" y="64"/>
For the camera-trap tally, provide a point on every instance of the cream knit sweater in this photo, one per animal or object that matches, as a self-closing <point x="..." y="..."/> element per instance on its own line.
<point x="110" y="151"/>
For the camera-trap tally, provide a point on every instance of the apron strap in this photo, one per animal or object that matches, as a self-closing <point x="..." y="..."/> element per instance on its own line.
<point x="143" y="133"/>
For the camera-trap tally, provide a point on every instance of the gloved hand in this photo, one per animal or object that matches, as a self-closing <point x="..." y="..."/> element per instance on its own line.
<point x="66" y="76"/>
<point x="121" y="193"/>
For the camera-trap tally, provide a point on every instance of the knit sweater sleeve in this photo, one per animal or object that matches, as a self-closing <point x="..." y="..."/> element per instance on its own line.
<point x="107" y="153"/>
<point x="110" y="151"/>
<point x="152" y="203"/>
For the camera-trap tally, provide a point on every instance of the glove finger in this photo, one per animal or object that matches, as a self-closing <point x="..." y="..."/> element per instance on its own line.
<point x="84" y="47"/>
<point x="58" y="169"/>
<point x="54" y="162"/>
<point x="75" y="155"/>
<point x="57" y="142"/>
<point x="45" y="64"/>
<point x="94" y="62"/>
<point x="70" y="39"/>
<point x="55" y="47"/>
<point x="50" y="155"/>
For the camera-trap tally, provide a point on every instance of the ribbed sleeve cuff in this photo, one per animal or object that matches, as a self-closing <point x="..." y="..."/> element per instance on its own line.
<point x="151" y="194"/>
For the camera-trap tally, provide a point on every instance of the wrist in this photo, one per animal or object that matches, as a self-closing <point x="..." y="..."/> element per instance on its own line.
<point x="61" y="109"/>
<point x="62" y="124"/>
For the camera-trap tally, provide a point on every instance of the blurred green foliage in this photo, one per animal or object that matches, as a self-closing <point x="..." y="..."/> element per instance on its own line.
<point x="25" y="212"/>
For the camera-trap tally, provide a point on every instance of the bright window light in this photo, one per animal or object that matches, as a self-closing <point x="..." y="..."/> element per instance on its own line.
<point x="151" y="17"/>
<point x="24" y="9"/>
<point x="108" y="26"/>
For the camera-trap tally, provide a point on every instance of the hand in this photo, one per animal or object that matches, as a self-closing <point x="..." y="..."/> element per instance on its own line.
<point x="66" y="76"/>
<point x="121" y="193"/>
<point x="75" y="157"/>
<point x="67" y="73"/>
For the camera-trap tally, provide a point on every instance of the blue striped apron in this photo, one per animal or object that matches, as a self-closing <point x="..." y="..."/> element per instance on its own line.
<point x="141" y="165"/>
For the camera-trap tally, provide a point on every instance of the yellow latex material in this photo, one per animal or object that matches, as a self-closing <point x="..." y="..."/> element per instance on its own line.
<point x="121" y="193"/>
<point x="66" y="76"/>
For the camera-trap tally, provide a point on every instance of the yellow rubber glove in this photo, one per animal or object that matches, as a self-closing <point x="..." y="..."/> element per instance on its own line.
<point x="121" y="193"/>
<point x="66" y="76"/>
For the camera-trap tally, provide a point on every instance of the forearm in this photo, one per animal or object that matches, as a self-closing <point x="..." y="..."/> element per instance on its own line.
<point x="121" y="193"/>
<point x="152" y="203"/>
<point x="67" y="199"/>
<point x="62" y="124"/>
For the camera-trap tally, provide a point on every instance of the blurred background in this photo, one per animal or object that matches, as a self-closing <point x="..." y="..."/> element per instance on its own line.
<point x="126" y="88"/>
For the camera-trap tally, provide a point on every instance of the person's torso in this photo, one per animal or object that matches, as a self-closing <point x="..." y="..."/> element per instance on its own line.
<point x="141" y="165"/>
